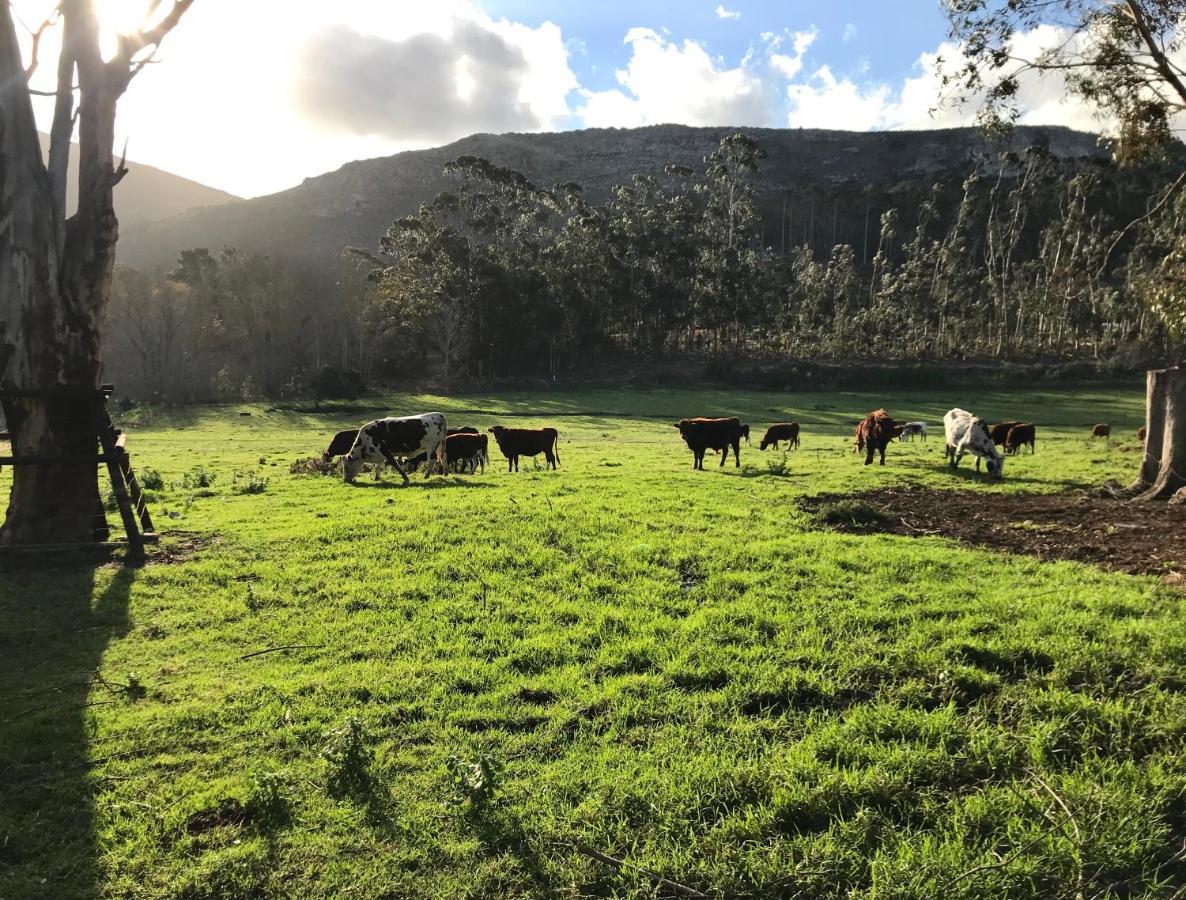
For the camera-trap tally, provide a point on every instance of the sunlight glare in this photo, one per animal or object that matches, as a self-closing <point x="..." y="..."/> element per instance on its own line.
<point x="118" y="17"/>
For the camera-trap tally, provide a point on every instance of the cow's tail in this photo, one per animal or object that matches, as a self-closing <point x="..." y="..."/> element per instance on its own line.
<point x="441" y="461"/>
<point x="556" y="447"/>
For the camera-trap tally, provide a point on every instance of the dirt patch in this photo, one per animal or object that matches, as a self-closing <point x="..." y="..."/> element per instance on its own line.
<point x="1138" y="538"/>
<point x="229" y="811"/>
<point x="178" y="547"/>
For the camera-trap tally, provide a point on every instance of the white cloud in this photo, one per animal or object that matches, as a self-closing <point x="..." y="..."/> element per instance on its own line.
<point x="790" y="65"/>
<point x="732" y="14"/>
<point x="665" y="81"/>
<point x="850" y="32"/>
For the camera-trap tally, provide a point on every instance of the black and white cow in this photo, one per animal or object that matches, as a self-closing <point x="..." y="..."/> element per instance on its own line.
<point x="393" y="440"/>
<point x="967" y="433"/>
<point x="910" y="429"/>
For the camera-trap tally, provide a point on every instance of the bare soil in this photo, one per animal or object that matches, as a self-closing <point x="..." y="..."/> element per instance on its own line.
<point x="1115" y="534"/>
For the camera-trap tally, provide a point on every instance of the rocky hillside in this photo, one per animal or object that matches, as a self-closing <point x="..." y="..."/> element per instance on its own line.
<point x="821" y="175"/>
<point x="147" y="194"/>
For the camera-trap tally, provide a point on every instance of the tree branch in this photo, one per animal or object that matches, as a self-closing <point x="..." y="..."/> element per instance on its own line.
<point x="1142" y="25"/>
<point x="1157" y="207"/>
<point x="131" y="44"/>
<point x="36" y="48"/>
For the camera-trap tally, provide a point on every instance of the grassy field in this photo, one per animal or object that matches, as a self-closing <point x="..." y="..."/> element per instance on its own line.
<point x="498" y="674"/>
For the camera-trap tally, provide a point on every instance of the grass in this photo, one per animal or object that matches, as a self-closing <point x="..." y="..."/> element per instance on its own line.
<point x="679" y="669"/>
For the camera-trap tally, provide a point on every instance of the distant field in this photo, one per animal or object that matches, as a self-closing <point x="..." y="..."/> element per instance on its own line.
<point x="678" y="669"/>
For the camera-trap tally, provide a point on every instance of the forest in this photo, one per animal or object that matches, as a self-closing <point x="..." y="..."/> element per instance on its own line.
<point x="1030" y="257"/>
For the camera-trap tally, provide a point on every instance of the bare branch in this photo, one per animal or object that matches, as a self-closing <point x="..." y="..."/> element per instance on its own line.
<point x="36" y="49"/>
<point x="1157" y="207"/>
<point x="1142" y="25"/>
<point x="122" y="169"/>
<point x="131" y="44"/>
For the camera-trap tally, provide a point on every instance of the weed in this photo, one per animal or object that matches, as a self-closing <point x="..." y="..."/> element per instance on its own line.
<point x="474" y="782"/>
<point x="779" y="466"/>
<point x="269" y="797"/>
<point x="348" y="760"/>
<point x="150" y="479"/>
<point x="246" y="481"/>
<point x="848" y="513"/>
<point x="198" y="477"/>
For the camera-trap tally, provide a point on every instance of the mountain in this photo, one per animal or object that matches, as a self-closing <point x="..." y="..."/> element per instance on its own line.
<point x="803" y="167"/>
<point x="147" y="194"/>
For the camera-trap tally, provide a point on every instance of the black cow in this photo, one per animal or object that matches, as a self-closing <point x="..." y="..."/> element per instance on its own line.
<point x="516" y="442"/>
<point x="340" y="445"/>
<point x="465" y="450"/>
<point x="702" y="434"/>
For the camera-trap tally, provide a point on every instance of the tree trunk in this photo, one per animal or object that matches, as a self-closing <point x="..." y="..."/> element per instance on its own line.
<point x="1165" y="434"/>
<point x="47" y="340"/>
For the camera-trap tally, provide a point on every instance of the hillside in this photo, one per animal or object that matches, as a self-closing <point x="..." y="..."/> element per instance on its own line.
<point x="355" y="204"/>
<point x="148" y="194"/>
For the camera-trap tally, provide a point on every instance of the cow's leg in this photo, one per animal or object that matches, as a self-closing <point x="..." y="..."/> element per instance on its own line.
<point x="883" y="454"/>
<point x="736" y="454"/>
<point x="977" y="463"/>
<point x="378" y="469"/>
<point x="399" y="468"/>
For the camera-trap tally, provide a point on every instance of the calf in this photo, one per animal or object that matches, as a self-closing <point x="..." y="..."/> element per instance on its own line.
<point x="516" y="442"/>
<point x="1104" y="431"/>
<point x="874" y="434"/>
<point x="783" y="431"/>
<point x="702" y="435"/>
<point x="910" y="429"/>
<point x="1019" y="436"/>
<point x="466" y="429"/>
<point x="1141" y="433"/>
<point x="967" y="433"/>
<point x="468" y="450"/>
<point x="745" y="433"/>
<point x="340" y="445"/>
<point x="1000" y="432"/>
<point x="392" y="440"/>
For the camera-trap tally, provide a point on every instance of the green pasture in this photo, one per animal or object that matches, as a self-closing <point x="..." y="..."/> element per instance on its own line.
<point x="492" y="676"/>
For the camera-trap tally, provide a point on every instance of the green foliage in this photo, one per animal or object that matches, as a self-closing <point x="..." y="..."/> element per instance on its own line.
<point x="348" y="760"/>
<point x="150" y="479"/>
<point x="853" y="513"/>
<point x="199" y="477"/>
<point x="474" y="781"/>
<point x="248" y="481"/>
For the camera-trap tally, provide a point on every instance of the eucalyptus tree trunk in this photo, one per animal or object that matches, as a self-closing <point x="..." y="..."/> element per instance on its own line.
<point x="55" y="273"/>
<point x="1163" y="469"/>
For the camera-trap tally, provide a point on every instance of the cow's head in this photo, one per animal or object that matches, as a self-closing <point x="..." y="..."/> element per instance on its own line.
<point x="352" y="463"/>
<point x="996" y="466"/>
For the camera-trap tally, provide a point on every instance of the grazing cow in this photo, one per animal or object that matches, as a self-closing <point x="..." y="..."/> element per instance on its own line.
<point x="516" y="442"/>
<point x="874" y="434"/>
<point x="910" y="429"/>
<point x="711" y="434"/>
<point x="1000" y="432"/>
<point x="1104" y="431"/>
<point x="340" y="445"/>
<point x="1019" y="436"/>
<point x="745" y="433"/>
<point x="394" y="439"/>
<point x="1141" y="433"/>
<point x="967" y="433"/>
<point x="782" y="431"/>
<point x="467" y="450"/>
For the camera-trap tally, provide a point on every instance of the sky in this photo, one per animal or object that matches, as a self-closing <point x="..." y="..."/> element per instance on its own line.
<point x="253" y="96"/>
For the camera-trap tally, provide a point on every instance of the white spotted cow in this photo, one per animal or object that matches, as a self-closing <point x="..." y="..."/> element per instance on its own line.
<point x="910" y="429"/>
<point x="394" y="440"/>
<point x="967" y="433"/>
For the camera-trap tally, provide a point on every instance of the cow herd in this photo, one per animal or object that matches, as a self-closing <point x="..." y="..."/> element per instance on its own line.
<point x="405" y="443"/>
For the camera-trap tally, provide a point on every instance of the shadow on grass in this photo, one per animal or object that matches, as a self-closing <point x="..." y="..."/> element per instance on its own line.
<point x="55" y="633"/>
<point x="434" y="484"/>
<point x="967" y="472"/>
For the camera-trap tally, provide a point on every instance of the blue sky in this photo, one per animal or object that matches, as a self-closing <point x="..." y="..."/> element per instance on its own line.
<point x="253" y="96"/>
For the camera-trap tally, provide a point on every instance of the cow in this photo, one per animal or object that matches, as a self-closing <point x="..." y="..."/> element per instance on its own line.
<point x="1000" y="432"/>
<point x="967" y="433"/>
<point x="745" y="433"/>
<point x="711" y="434"/>
<point x="910" y="429"/>
<point x="466" y="429"/>
<point x="1019" y="436"/>
<point x="782" y="431"/>
<point x="467" y="450"/>
<point x="340" y="445"/>
<point x="516" y="442"/>
<point x="1102" y="430"/>
<point x="393" y="439"/>
<point x="1141" y="433"/>
<point x="874" y="434"/>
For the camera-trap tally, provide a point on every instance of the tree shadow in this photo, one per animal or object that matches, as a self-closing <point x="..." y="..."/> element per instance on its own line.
<point x="57" y="625"/>
<point x="436" y="484"/>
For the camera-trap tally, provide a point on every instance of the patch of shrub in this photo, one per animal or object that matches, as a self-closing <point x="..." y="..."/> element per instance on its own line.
<point x="850" y="514"/>
<point x="348" y="759"/>
<point x="248" y="482"/>
<point x="337" y="384"/>
<point x="269" y="798"/>
<point x="200" y="477"/>
<point x="313" y="465"/>
<point x="150" y="479"/>
<point x="779" y="466"/>
<point x="474" y="782"/>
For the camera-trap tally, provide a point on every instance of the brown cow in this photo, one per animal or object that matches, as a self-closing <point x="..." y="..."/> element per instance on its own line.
<point x="874" y="434"/>
<point x="1141" y="433"/>
<point x="340" y="445"/>
<point x="516" y="442"/>
<point x="999" y="433"/>
<point x="1019" y="436"/>
<point x="782" y="431"/>
<point x="468" y="450"/>
<point x="1101" y="430"/>
<point x="702" y="434"/>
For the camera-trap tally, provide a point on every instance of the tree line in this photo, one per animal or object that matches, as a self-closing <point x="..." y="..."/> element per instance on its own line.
<point x="1030" y="256"/>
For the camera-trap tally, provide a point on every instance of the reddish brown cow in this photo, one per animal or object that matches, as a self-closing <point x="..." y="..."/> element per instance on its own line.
<point x="1141" y="433"/>
<point x="1101" y="430"/>
<point x="874" y="434"/>
<point x="516" y="442"/>
<point x="470" y="450"/>
<point x="702" y="434"/>
<point x="340" y="445"/>
<point x="1019" y="436"/>
<point x="999" y="433"/>
<point x="782" y="431"/>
